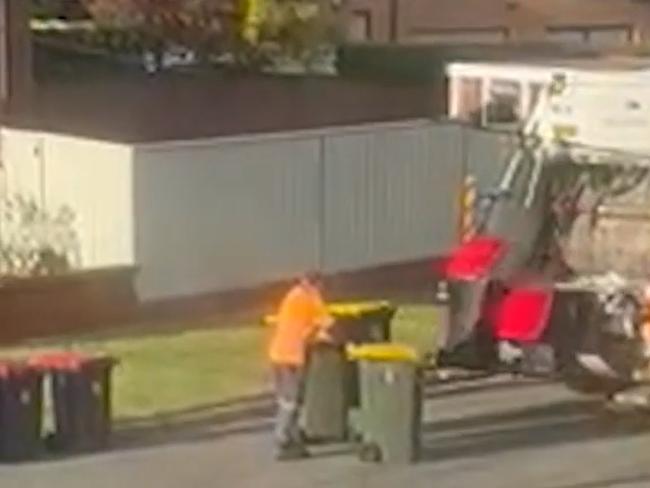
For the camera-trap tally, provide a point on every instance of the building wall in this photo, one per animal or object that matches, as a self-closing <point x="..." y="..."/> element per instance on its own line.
<point x="608" y="22"/>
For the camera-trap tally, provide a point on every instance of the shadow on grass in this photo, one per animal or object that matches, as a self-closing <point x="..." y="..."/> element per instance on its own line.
<point x="139" y="330"/>
<point x="207" y="318"/>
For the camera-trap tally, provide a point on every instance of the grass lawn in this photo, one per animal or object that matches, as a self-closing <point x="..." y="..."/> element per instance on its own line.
<point x="177" y="368"/>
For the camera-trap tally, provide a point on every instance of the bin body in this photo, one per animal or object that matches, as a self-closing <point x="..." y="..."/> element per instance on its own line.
<point x="81" y="400"/>
<point x="82" y="406"/>
<point x="326" y="396"/>
<point x="391" y="409"/>
<point x="20" y="413"/>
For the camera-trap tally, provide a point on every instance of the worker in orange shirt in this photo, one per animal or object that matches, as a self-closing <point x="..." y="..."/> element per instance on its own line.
<point x="302" y="318"/>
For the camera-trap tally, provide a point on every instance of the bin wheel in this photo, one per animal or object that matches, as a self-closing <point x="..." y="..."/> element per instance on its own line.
<point x="370" y="453"/>
<point x="54" y="443"/>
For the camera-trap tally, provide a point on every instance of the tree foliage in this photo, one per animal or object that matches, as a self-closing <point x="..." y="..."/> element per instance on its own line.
<point x="300" y="29"/>
<point x="195" y="24"/>
<point x="254" y="32"/>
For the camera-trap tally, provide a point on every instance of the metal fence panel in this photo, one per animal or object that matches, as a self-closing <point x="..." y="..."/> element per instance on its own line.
<point x="224" y="215"/>
<point x="389" y="195"/>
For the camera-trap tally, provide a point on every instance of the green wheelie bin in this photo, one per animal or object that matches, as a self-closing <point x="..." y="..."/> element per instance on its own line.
<point x="390" y="415"/>
<point x="360" y="323"/>
<point x="326" y="394"/>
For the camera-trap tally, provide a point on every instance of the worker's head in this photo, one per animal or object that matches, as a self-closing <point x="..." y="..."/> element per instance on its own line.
<point x="312" y="278"/>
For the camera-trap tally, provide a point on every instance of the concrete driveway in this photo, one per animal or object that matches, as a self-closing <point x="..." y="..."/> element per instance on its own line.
<point x="488" y="433"/>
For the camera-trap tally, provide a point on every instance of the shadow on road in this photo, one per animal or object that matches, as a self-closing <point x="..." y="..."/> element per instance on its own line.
<point x="499" y="428"/>
<point x="610" y="483"/>
<point x="476" y="383"/>
<point x="202" y="423"/>
<point x="221" y="420"/>
<point x="557" y="423"/>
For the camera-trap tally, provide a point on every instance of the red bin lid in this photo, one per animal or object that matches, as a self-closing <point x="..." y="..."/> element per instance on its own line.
<point x="12" y="368"/>
<point x="523" y="314"/>
<point x="63" y="361"/>
<point x="475" y="258"/>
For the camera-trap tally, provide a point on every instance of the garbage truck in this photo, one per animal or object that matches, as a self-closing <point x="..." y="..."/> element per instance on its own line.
<point x="565" y="242"/>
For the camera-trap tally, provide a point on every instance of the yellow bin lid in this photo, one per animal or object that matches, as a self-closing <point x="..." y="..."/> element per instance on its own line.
<point x="383" y="351"/>
<point x="356" y="309"/>
<point x="343" y="310"/>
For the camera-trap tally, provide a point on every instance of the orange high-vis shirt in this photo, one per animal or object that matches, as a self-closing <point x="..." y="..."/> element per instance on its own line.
<point x="301" y="313"/>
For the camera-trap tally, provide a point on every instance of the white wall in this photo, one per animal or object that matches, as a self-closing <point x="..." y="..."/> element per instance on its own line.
<point x="92" y="178"/>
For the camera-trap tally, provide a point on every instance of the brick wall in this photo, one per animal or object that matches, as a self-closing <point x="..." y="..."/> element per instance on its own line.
<point x="503" y="19"/>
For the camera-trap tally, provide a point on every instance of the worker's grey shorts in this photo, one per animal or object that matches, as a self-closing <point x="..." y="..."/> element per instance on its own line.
<point x="288" y="382"/>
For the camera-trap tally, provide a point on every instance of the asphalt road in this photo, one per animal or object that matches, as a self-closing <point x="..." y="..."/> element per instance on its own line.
<point x="495" y="433"/>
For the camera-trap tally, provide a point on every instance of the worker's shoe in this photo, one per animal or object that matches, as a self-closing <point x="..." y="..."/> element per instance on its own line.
<point x="292" y="452"/>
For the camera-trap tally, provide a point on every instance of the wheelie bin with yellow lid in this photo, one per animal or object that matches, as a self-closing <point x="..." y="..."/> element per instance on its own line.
<point x="331" y="384"/>
<point x="390" y="413"/>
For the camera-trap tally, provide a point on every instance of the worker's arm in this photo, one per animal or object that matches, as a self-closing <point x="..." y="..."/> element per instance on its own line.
<point x="322" y="320"/>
